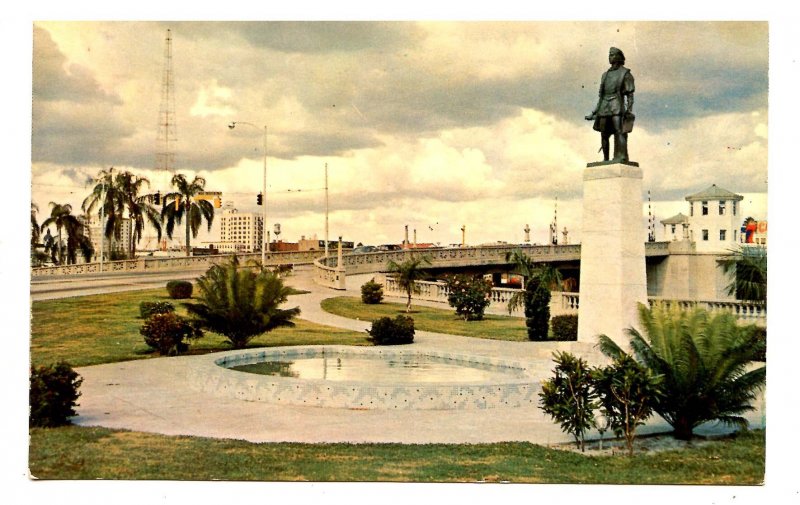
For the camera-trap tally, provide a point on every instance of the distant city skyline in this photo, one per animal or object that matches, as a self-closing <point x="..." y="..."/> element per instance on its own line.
<point x="433" y="125"/>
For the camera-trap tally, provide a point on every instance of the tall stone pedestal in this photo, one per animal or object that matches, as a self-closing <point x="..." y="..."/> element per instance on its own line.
<point x="613" y="274"/>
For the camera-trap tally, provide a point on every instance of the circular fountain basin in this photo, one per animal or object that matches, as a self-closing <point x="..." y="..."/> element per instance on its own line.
<point x="368" y="378"/>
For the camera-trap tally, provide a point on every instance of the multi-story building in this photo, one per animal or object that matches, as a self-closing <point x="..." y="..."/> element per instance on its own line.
<point x="714" y="219"/>
<point x="114" y="248"/>
<point x="240" y="232"/>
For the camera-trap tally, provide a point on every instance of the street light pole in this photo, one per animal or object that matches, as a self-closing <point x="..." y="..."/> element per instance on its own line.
<point x="264" y="246"/>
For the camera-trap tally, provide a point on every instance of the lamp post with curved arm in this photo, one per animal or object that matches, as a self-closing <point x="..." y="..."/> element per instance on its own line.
<point x="264" y="245"/>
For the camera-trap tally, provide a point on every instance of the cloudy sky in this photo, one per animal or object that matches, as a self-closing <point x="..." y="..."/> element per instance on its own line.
<point x="430" y="124"/>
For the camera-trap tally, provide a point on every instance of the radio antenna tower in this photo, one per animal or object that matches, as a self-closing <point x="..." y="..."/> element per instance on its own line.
<point x="165" y="155"/>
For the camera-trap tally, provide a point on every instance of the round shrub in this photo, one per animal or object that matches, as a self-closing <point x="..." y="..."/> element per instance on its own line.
<point x="372" y="292"/>
<point x="469" y="295"/>
<point x="179" y="289"/>
<point x="564" y="327"/>
<point x="388" y="331"/>
<point x="166" y="333"/>
<point x="54" y="390"/>
<point x="147" y="309"/>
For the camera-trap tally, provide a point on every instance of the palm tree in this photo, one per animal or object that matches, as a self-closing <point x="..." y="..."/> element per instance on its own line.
<point x="408" y="273"/>
<point x="36" y="232"/>
<point x="182" y="204"/>
<point x="241" y="303"/>
<point x="748" y="268"/>
<point x="61" y="217"/>
<point x="703" y="360"/>
<point x="108" y="198"/>
<point x="139" y="208"/>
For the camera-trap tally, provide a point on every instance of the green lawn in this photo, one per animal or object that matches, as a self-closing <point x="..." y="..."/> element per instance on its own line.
<point x="97" y="453"/>
<point x="91" y="330"/>
<point x="432" y="319"/>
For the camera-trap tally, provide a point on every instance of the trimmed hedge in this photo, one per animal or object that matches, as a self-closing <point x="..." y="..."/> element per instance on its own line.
<point x="388" y="331"/>
<point x="147" y="309"/>
<point x="53" y="394"/>
<point x="564" y="327"/>
<point x="179" y="290"/>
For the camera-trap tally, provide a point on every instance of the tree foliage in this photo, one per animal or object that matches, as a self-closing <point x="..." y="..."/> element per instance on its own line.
<point x="569" y="397"/>
<point x="747" y="267"/>
<point x="240" y="303"/>
<point x="705" y="362"/>
<point x="535" y="298"/>
<point x="182" y="206"/>
<point x="469" y="295"/>
<point x="408" y="273"/>
<point x="76" y="241"/>
<point x="627" y="393"/>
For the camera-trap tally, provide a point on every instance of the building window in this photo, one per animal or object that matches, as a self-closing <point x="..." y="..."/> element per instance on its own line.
<point x="705" y="235"/>
<point x="721" y="207"/>
<point x="722" y="235"/>
<point x="734" y="234"/>
<point x="734" y="207"/>
<point x="673" y="229"/>
<point x="691" y="208"/>
<point x="705" y="208"/>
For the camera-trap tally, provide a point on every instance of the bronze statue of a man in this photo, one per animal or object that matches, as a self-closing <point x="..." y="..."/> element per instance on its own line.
<point x="613" y="114"/>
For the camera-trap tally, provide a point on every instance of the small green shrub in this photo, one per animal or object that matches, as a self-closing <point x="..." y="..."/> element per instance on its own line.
<point x="568" y="397"/>
<point x="147" y="309"/>
<point x="627" y="393"/>
<point x="372" y="292"/>
<point x="166" y="333"/>
<point x="469" y="295"/>
<point x="179" y="290"/>
<point x="388" y="331"/>
<point x="564" y="327"/>
<point x="54" y="390"/>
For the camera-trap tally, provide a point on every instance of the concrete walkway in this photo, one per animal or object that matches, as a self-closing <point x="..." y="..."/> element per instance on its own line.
<point x="153" y="396"/>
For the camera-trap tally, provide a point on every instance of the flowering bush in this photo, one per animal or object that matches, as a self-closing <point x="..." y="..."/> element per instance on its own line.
<point x="469" y="295"/>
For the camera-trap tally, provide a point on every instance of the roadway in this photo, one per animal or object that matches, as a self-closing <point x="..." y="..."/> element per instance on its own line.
<point x="65" y="286"/>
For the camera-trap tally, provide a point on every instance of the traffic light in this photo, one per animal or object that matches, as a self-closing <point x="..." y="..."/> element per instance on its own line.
<point x="259" y="199"/>
<point x="218" y="202"/>
<point x="157" y="198"/>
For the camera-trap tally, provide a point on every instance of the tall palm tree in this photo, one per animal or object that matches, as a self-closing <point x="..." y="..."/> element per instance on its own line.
<point x="704" y="360"/>
<point x="747" y="267"/>
<point x="408" y="273"/>
<point x="108" y="199"/>
<point x="139" y="208"/>
<point x="181" y="204"/>
<point x="61" y="217"/>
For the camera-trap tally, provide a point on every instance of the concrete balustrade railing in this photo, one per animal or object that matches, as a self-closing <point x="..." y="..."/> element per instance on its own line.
<point x="568" y="303"/>
<point x="156" y="264"/>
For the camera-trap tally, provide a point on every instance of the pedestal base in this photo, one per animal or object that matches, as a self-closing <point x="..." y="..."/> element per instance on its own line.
<point x="613" y="275"/>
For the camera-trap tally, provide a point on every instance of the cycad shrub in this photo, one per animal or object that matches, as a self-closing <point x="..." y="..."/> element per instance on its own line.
<point x="372" y="292"/>
<point x="388" y="331"/>
<point x="240" y="303"/>
<point x="53" y="394"/>
<point x="705" y="361"/>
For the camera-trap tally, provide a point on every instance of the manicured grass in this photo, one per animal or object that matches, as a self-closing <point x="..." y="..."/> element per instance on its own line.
<point x="90" y="330"/>
<point x="97" y="453"/>
<point x="431" y="319"/>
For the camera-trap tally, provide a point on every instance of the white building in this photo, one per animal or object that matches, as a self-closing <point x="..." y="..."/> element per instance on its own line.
<point x="714" y="219"/>
<point x="676" y="227"/>
<point x="113" y="248"/>
<point x="240" y="232"/>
